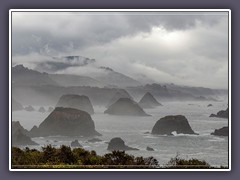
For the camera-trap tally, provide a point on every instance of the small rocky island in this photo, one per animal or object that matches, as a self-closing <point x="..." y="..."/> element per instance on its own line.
<point x="148" y="101"/>
<point x="42" y="110"/>
<point x="66" y="122"/>
<point x="75" y="143"/>
<point x="16" y="106"/>
<point x="118" y="144"/>
<point x="29" y="108"/>
<point x="20" y="135"/>
<point x="167" y="125"/>
<point x="224" y="131"/>
<point x="118" y="95"/>
<point x="77" y="102"/>
<point x="127" y="107"/>
<point x="93" y="140"/>
<point x="221" y="114"/>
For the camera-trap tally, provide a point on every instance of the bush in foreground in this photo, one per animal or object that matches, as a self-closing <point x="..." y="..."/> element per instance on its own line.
<point x="78" y="158"/>
<point x="65" y="157"/>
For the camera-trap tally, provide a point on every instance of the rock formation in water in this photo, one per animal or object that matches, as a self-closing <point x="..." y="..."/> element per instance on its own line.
<point x="169" y="124"/>
<point x="77" y="102"/>
<point x="16" y="106"/>
<point x="75" y="143"/>
<point x="17" y="126"/>
<point x="209" y="105"/>
<point x="20" y="135"/>
<point x="29" y="108"/>
<point x="148" y="101"/>
<point x="66" y="122"/>
<point x="118" y="144"/>
<point x="93" y="140"/>
<point x="125" y="106"/>
<point x="221" y="114"/>
<point x="224" y="131"/>
<point x="20" y="139"/>
<point x="149" y="148"/>
<point x="117" y="96"/>
<point x="42" y="110"/>
<point x="50" y="109"/>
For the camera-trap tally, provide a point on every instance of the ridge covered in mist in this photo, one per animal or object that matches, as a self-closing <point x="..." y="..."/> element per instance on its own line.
<point x="34" y="87"/>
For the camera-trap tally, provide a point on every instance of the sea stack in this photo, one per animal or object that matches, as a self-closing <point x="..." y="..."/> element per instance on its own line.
<point x="125" y="107"/>
<point x="77" y="102"/>
<point x="148" y="101"/>
<point x="117" y="96"/>
<point x="29" y="108"/>
<point x="169" y="124"/>
<point x="42" y="110"/>
<point x="118" y="144"/>
<point x="224" y="131"/>
<point x="75" y="143"/>
<point x="66" y="122"/>
<point x="16" y="106"/>
<point x="221" y="114"/>
<point x="20" y="135"/>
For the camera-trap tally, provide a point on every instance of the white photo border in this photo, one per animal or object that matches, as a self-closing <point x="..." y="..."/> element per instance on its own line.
<point x="120" y="10"/>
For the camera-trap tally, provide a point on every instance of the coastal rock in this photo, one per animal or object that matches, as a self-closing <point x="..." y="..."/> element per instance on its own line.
<point x="50" y="109"/>
<point x="149" y="148"/>
<point x="77" y="102"/>
<point x="29" y="108"/>
<point x="20" y="135"/>
<point x="224" y="131"/>
<point x="221" y="114"/>
<point x="118" y="144"/>
<point x="93" y="140"/>
<point x="169" y="124"/>
<point x="117" y="96"/>
<point x="20" y="139"/>
<point x="125" y="106"/>
<point x="17" y="126"/>
<point x="16" y="106"/>
<point x="42" y="110"/>
<point x="148" y="101"/>
<point x="75" y="143"/>
<point x="66" y="122"/>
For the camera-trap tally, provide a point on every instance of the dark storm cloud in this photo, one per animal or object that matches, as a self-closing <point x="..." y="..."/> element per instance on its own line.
<point x="183" y="48"/>
<point x="68" y="31"/>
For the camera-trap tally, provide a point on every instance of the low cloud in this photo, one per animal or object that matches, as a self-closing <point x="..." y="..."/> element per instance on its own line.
<point x="189" y="49"/>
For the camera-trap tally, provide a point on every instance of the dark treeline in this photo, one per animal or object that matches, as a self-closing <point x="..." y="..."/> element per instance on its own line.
<point x="65" y="157"/>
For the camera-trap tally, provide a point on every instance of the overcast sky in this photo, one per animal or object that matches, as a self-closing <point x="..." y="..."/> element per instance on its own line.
<point x="187" y="48"/>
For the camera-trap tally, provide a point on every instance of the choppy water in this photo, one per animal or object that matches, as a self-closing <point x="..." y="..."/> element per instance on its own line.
<point x="133" y="130"/>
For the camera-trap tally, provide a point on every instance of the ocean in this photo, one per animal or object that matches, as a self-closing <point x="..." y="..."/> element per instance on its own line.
<point x="135" y="131"/>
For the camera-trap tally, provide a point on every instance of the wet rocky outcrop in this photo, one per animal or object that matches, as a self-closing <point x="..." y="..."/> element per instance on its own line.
<point x="42" y="110"/>
<point x="224" y="131"/>
<point x="16" y="106"/>
<point x="118" y="144"/>
<point x="20" y="135"/>
<point x="75" y="143"/>
<point x="221" y="114"/>
<point x="29" y="108"/>
<point x="66" y="122"/>
<point x="169" y="124"/>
